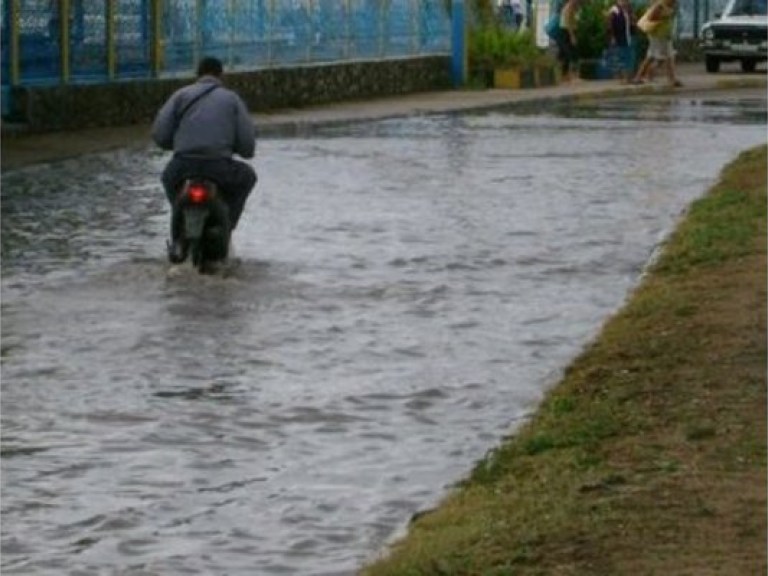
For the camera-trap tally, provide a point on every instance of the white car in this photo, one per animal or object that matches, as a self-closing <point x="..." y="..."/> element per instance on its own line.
<point x="739" y="34"/>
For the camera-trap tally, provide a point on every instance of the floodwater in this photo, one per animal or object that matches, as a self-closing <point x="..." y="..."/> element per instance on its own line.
<point x="405" y="292"/>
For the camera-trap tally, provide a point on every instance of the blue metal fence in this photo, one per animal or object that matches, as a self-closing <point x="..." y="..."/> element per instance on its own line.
<point x="102" y="40"/>
<point x="109" y="40"/>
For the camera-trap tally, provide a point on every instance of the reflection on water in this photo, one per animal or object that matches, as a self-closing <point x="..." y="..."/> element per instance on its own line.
<point x="405" y="291"/>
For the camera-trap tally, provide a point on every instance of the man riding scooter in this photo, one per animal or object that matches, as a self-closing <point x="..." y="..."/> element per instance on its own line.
<point x="205" y="124"/>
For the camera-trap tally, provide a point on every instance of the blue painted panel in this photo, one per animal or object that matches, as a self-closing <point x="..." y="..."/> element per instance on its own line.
<point x="244" y="34"/>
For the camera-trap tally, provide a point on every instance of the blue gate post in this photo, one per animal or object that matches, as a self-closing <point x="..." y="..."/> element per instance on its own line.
<point x="458" y="44"/>
<point x="10" y="57"/>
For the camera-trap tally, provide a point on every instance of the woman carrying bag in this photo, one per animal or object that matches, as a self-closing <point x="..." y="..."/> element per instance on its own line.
<point x="657" y="24"/>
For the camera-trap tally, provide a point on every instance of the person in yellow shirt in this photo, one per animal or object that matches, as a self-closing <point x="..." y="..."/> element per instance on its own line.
<point x="661" y="16"/>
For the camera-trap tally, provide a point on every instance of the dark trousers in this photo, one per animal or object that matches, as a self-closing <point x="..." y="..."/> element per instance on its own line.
<point x="566" y="51"/>
<point x="235" y="180"/>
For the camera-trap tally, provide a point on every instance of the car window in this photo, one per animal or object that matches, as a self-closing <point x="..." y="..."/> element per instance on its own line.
<point x="748" y="8"/>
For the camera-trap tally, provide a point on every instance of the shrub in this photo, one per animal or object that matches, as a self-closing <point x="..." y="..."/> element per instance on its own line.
<point x="493" y="46"/>
<point x="592" y="29"/>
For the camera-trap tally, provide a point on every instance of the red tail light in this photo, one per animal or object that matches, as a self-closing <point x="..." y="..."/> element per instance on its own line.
<point x="197" y="193"/>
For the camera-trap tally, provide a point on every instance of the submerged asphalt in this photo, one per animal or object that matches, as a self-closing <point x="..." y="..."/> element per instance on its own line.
<point x="19" y="149"/>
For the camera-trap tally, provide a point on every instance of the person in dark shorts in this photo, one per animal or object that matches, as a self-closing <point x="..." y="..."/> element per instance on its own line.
<point x="621" y="30"/>
<point x="566" y="39"/>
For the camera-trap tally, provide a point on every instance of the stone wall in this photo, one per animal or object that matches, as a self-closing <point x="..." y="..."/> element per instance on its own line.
<point x="66" y="107"/>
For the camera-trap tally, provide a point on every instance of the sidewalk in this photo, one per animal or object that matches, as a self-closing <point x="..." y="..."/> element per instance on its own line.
<point x="20" y="150"/>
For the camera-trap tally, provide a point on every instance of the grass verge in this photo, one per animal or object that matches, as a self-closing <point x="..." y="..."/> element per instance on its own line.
<point x="649" y="457"/>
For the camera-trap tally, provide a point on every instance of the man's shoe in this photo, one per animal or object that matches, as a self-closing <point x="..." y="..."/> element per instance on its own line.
<point x="177" y="251"/>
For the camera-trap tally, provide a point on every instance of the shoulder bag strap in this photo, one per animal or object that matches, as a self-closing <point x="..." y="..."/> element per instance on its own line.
<point x="189" y="104"/>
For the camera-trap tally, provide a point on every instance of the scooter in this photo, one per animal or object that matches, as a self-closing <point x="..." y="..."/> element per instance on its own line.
<point x="202" y="219"/>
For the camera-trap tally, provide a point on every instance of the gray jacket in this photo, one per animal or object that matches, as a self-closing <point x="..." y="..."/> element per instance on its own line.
<point x="218" y="125"/>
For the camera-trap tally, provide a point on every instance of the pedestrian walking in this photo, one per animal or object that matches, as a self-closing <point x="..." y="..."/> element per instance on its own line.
<point x="566" y="38"/>
<point x="512" y="13"/>
<point x="657" y="24"/>
<point x="506" y="13"/>
<point x="517" y="14"/>
<point x="621" y="29"/>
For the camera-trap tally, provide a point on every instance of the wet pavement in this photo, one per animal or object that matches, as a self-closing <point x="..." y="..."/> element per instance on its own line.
<point x="19" y="149"/>
<point x="404" y="292"/>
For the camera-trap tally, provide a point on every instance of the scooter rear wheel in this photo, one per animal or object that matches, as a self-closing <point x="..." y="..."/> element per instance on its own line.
<point x="196" y="253"/>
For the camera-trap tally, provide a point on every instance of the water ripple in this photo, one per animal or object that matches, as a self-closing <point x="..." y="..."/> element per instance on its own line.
<point x="403" y="294"/>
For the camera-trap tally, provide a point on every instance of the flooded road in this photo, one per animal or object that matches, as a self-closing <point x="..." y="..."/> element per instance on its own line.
<point x="406" y="292"/>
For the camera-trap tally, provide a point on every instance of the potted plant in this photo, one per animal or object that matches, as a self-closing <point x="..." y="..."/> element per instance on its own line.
<point x="515" y="62"/>
<point x="547" y="70"/>
<point x="482" y="50"/>
<point x="504" y="58"/>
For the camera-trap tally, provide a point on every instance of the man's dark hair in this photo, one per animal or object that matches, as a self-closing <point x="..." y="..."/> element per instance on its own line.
<point x="210" y="66"/>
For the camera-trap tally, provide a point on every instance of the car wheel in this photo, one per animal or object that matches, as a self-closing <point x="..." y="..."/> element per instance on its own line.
<point x="748" y="65"/>
<point x="713" y="64"/>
